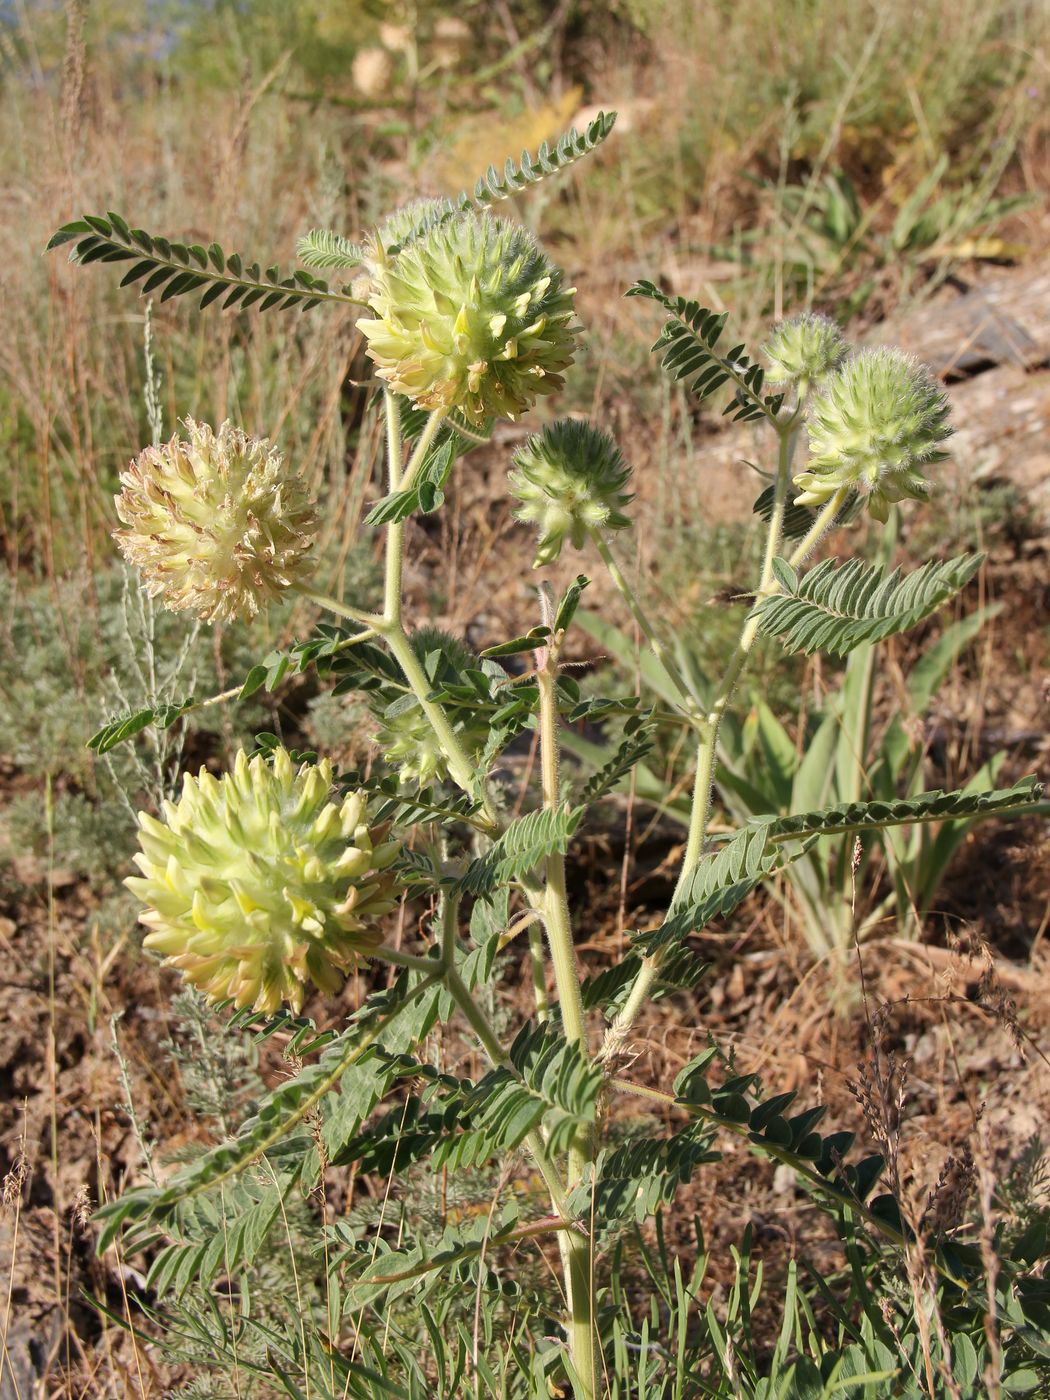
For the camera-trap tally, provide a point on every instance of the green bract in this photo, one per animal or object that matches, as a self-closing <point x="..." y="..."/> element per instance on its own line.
<point x="569" y="479"/>
<point x="878" y="421"/>
<point x="258" y="884"/>
<point x="805" y="348"/>
<point x="471" y="315"/>
<point x="215" y="523"/>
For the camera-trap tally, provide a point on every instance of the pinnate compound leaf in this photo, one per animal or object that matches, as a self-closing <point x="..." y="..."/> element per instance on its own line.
<point x="932" y="806"/>
<point x="117" y="731"/>
<point x="280" y="1126"/>
<point x="635" y="1179"/>
<point x="321" y="247"/>
<point x="526" y="842"/>
<point x="638" y="740"/>
<point x="495" y="186"/>
<point x="835" y="608"/>
<point x="688" y="347"/>
<point x="549" y="1081"/>
<point x="718" y="884"/>
<point x="180" y="268"/>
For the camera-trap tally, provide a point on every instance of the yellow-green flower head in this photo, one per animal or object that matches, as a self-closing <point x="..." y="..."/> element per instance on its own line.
<point x="568" y="480"/>
<point x="470" y="315"/>
<point x="259" y="883"/>
<point x="214" y="522"/>
<point x="406" y="737"/>
<point x="878" y="422"/>
<point x="804" y="348"/>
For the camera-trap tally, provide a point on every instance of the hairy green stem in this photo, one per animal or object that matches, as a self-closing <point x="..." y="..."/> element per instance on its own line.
<point x="460" y="766"/>
<point x="823" y="523"/>
<point x="554" y="906"/>
<point x="395" y="532"/>
<point x="691" y="702"/>
<point x="707" y="749"/>
<point x="390" y="626"/>
<point x="333" y="605"/>
<point x="539" y="972"/>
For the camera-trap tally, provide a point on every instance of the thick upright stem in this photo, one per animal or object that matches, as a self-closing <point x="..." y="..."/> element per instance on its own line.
<point x="555" y="908"/>
<point x="391" y="627"/>
<point x="395" y="537"/>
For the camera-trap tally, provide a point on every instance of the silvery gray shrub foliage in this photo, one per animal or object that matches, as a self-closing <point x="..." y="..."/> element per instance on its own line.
<point x="274" y="879"/>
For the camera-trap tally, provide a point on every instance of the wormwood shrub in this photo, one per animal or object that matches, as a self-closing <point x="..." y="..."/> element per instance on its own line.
<point x="273" y="879"/>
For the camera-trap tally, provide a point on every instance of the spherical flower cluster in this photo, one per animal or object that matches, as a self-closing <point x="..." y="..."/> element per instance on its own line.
<point x="804" y="348"/>
<point x="406" y="737"/>
<point x="878" y="422"/>
<point x="258" y="883"/>
<point x="470" y="315"/>
<point x="215" y="523"/>
<point x="568" y="480"/>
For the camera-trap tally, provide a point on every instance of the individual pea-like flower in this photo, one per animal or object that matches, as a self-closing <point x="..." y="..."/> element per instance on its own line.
<point x="804" y="348"/>
<point x="406" y="737"/>
<point x="469" y="315"/>
<point x="569" y="480"/>
<point x="214" y="522"/>
<point x="258" y="883"/>
<point x="879" y="420"/>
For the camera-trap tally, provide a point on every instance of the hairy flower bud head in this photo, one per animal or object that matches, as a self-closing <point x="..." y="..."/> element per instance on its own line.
<point x="409" y="224"/>
<point x="214" y="522"/>
<point x="259" y="883"/>
<point x="806" y="347"/>
<point x="569" y="479"/>
<point x="878" y="422"/>
<point x="406" y="737"/>
<point x="472" y="315"/>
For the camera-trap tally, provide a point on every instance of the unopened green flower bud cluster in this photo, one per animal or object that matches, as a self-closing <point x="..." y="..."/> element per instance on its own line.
<point x="875" y="418"/>
<point x="568" y="480"/>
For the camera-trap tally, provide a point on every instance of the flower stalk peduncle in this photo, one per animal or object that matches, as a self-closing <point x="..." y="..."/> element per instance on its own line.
<point x="554" y="907"/>
<point x="707" y="748"/>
